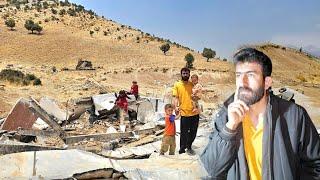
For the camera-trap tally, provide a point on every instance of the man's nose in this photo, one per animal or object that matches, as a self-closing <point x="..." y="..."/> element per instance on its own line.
<point x="243" y="80"/>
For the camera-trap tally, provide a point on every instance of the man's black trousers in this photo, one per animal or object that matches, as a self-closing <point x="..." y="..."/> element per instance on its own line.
<point x="188" y="131"/>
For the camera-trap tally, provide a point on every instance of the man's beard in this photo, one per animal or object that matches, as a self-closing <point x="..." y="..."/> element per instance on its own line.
<point x="185" y="78"/>
<point x="252" y="97"/>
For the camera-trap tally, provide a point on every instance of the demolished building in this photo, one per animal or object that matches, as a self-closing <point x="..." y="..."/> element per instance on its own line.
<point x="33" y="132"/>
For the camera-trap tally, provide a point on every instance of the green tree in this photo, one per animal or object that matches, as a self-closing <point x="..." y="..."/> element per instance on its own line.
<point x="208" y="53"/>
<point x="45" y="5"/>
<point x="28" y="25"/>
<point x="37" y="82"/>
<point x="164" y="48"/>
<point x="62" y="12"/>
<point x="31" y="26"/>
<point x="10" y="23"/>
<point x="37" y="27"/>
<point x="54" y="11"/>
<point x="189" y="59"/>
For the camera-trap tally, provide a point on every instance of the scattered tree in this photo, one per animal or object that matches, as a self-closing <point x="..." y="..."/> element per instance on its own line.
<point x="164" y="48"/>
<point x="10" y="23"/>
<point x="31" y="26"/>
<point x="208" y="53"/>
<point x="91" y="33"/>
<point x="28" y="25"/>
<point x="37" y="28"/>
<point x="62" y="12"/>
<point x="54" y="11"/>
<point x="37" y="82"/>
<point x="189" y="59"/>
<point x="45" y="5"/>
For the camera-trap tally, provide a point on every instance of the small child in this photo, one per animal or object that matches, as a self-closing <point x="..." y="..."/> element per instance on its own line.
<point x="196" y="93"/>
<point x="121" y="100"/>
<point x="169" y="140"/>
<point x="135" y="89"/>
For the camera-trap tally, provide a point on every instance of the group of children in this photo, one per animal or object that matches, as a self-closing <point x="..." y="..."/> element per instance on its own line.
<point x="168" y="141"/>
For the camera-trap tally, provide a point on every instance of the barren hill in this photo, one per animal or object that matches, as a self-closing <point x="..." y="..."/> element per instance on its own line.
<point x="121" y="54"/>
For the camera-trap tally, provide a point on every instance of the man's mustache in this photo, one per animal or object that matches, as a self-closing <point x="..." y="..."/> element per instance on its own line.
<point x="245" y="89"/>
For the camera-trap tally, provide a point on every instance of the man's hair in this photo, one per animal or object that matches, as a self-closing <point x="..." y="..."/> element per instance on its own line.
<point x="167" y="106"/>
<point x="252" y="55"/>
<point x="185" y="69"/>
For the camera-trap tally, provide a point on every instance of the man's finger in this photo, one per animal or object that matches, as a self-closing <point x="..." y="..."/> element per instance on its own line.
<point x="236" y="94"/>
<point x="238" y="112"/>
<point x="243" y="104"/>
<point x="238" y="107"/>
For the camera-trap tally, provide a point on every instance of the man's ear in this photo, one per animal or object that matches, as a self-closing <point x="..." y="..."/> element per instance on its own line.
<point x="267" y="82"/>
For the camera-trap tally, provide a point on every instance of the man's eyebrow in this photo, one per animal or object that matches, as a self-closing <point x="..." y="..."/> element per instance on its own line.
<point x="246" y="72"/>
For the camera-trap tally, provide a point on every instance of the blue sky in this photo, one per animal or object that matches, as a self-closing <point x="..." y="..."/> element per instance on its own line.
<point x="218" y="24"/>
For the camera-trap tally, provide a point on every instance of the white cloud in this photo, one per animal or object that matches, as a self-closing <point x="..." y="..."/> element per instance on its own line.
<point x="298" y="40"/>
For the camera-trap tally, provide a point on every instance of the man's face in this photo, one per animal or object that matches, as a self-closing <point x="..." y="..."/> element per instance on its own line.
<point x="185" y="75"/>
<point x="250" y="81"/>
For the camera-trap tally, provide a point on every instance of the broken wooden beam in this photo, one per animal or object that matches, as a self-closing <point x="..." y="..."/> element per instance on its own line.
<point x="109" y="136"/>
<point x="44" y="133"/>
<point x="14" y="147"/>
<point x="97" y="137"/>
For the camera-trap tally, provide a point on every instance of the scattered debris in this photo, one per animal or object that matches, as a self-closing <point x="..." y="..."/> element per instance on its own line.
<point x="51" y="107"/>
<point x="91" y="124"/>
<point x="84" y="65"/>
<point x="79" y="164"/>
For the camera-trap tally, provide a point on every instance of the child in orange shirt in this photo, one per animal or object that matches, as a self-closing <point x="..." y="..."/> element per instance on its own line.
<point x="169" y="140"/>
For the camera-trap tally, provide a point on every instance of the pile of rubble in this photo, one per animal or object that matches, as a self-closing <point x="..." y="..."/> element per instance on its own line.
<point x="41" y="138"/>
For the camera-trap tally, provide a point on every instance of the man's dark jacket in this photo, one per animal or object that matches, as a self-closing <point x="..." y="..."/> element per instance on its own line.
<point x="291" y="145"/>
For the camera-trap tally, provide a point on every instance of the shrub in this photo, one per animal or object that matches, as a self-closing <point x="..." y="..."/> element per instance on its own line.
<point x="164" y="48"/>
<point x="164" y="70"/>
<point x="28" y="25"/>
<point x="37" y="27"/>
<point x="45" y="5"/>
<point x="71" y="12"/>
<point x="62" y="12"/>
<point x="37" y="82"/>
<point x="54" y="11"/>
<point x="18" y="77"/>
<point x="30" y="77"/>
<point x="10" y="23"/>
